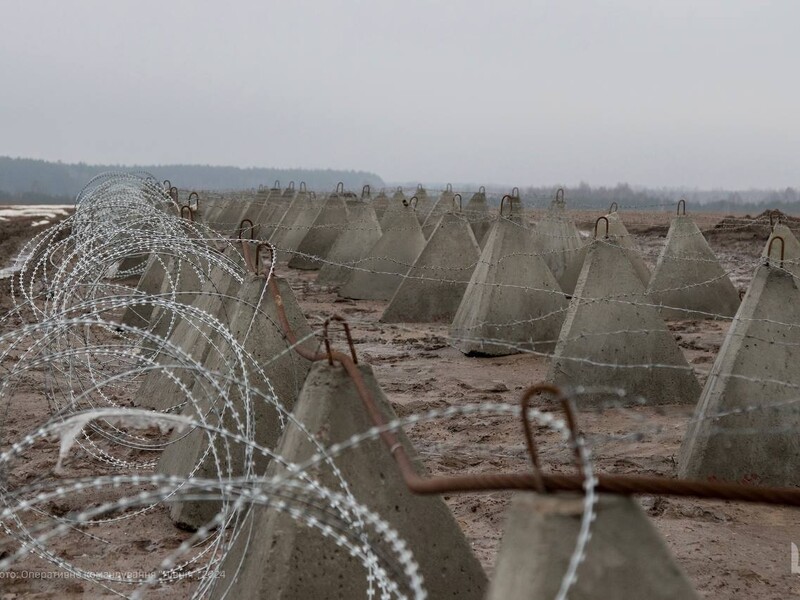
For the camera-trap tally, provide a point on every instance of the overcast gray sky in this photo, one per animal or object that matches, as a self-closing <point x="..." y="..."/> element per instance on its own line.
<point x="654" y="93"/>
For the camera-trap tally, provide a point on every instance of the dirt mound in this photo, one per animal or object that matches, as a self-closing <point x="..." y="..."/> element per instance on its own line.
<point x="754" y="227"/>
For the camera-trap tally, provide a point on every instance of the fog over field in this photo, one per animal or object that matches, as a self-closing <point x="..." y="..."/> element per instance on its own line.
<point x="655" y="94"/>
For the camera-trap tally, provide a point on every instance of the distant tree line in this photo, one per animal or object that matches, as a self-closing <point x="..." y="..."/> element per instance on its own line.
<point x="666" y="199"/>
<point x="24" y="180"/>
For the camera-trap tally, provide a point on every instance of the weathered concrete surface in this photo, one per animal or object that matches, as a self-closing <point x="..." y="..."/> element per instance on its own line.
<point x="361" y="233"/>
<point x="477" y="211"/>
<point x="295" y="224"/>
<point x="379" y="275"/>
<point x="561" y="245"/>
<point x="424" y="204"/>
<point x="617" y="230"/>
<point x="756" y="368"/>
<point x="379" y="204"/>
<point x="280" y="206"/>
<point x="432" y="289"/>
<point x="183" y="283"/>
<point x="613" y="338"/>
<point x="138" y="315"/>
<point x="688" y="280"/>
<point x="316" y="244"/>
<point x="395" y="208"/>
<point x="195" y="337"/>
<point x="277" y="558"/>
<point x="256" y="326"/>
<point x="444" y="204"/>
<point x="512" y="297"/>
<point x="791" y="251"/>
<point x="626" y="558"/>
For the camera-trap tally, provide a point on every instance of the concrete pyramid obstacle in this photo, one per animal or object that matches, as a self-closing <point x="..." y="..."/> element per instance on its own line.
<point x="379" y="274"/>
<point x="273" y="209"/>
<point x="617" y="230"/>
<point x="791" y="247"/>
<point x="613" y="338"/>
<point x="256" y="326"/>
<point x="159" y="391"/>
<point x="138" y="315"/>
<point x="279" y="558"/>
<point x="626" y="557"/>
<point x="756" y="368"/>
<point x="360" y="234"/>
<point x="379" y="204"/>
<point x="561" y="245"/>
<point x="512" y="298"/>
<point x="316" y="244"/>
<point x="280" y="203"/>
<point x="688" y="280"/>
<point x="424" y="204"/>
<point x="432" y="289"/>
<point x="443" y="205"/>
<point x="183" y="282"/>
<point x="477" y="211"/>
<point x="395" y="207"/>
<point x="296" y="223"/>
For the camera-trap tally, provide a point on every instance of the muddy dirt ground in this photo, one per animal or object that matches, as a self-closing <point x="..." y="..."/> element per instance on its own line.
<point x="729" y="550"/>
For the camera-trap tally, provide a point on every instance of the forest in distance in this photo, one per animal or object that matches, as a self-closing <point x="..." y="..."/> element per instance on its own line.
<point x="31" y="181"/>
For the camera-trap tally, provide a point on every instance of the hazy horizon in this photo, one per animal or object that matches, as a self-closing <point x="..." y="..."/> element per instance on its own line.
<point x="663" y="94"/>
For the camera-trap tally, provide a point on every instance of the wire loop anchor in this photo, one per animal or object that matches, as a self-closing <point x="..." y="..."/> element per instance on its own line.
<point x="596" y="223"/>
<point x="327" y="340"/>
<point x="510" y="204"/>
<point x="769" y="248"/>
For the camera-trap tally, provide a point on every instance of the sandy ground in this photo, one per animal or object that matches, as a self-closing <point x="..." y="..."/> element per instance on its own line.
<point x="729" y="550"/>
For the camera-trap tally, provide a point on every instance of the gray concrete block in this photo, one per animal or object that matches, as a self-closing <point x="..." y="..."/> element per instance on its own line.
<point x="277" y="558"/>
<point x="613" y="338"/>
<point x="626" y="557"/>
<point x="754" y="383"/>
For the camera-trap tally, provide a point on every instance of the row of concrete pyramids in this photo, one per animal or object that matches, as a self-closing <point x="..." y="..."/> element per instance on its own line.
<point x="275" y="556"/>
<point x="610" y="336"/>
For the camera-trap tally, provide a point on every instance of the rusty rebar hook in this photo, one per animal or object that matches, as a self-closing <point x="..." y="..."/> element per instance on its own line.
<point x="196" y="197"/>
<point x="482" y="190"/>
<point x="560" y="195"/>
<point x="303" y="187"/>
<point x="241" y="229"/>
<point x="408" y="202"/>
<point x="571" y="420"/>
<point x="420" y="188"/>
<point x="340" y="187"/>
<point x="460" y="205"/>
<point x="681" y="202"/>
<point x="167" y="184"/>
<point x="515" y="192"/>
<point x="173" y="193"/>
<point x="259" y="248"/>
<point x="276" y="185"/>
<point x="613" y="208"/>
<point x="188" y="208"/>
<point x="510" y="204"/>
<point x="366" y="191"/>
<point x="771" y="222"/>
<point x="449" y="187"/>
<point x="596" y="223"/>
<point x="291" y="186"/>
<point x="769" y="247"/>
<point x="327" y="340"/>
